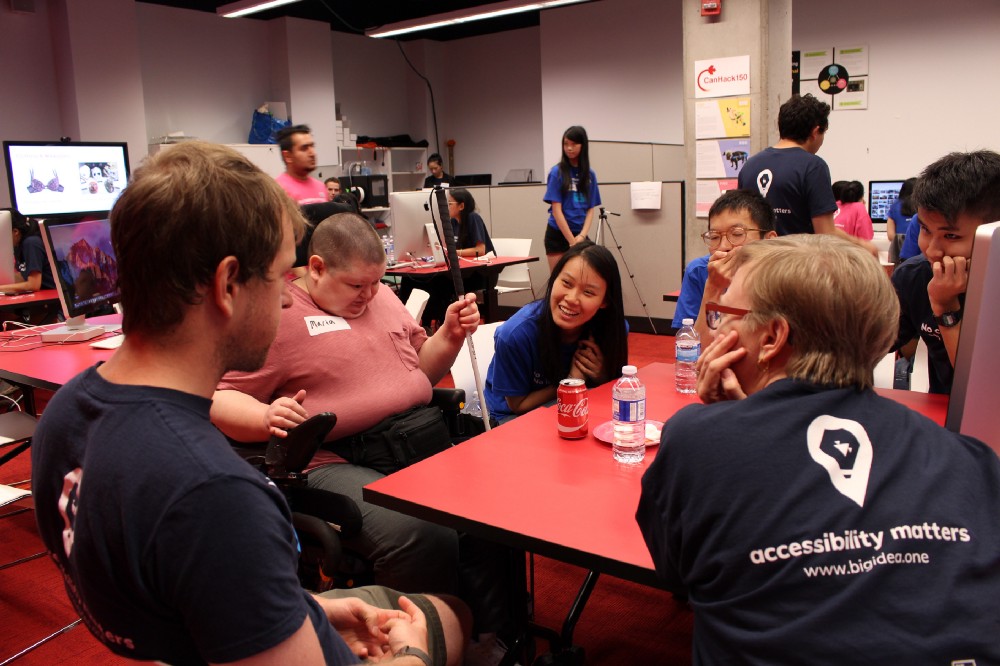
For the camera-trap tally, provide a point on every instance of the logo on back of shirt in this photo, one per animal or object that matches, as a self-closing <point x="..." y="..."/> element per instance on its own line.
<point x="764" y="180"/>
<point x="842" y="448"/>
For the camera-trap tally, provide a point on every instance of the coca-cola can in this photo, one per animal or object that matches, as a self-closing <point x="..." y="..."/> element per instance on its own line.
<point x="573" y="408"/>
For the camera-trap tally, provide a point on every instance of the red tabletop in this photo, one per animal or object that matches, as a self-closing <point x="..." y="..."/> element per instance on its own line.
<point x="495" y="264"/>
<point x="20" y="300"/>
<point x="49" y="365"/>
<point x="524" y="486"/>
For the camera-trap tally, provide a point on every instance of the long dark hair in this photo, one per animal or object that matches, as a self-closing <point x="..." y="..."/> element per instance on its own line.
<point x="464" y="197"/>
<point x="607" y="326"/>
<point x="576" y="134"/>
<point x="905" y="197"/>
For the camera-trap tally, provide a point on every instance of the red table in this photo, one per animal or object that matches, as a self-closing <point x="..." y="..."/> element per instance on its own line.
<point x="30" y="363"/>
<point x="524" y="486"/>
<point x="490" y="268"/>
<point x="29" y="298"/>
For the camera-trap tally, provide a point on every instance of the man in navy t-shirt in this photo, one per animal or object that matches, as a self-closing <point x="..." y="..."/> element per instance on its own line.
<point x="172" y="548"/>
<point x="793" y="179"/>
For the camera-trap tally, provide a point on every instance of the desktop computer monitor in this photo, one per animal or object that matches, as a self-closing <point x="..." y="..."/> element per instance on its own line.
<point x="8" y="269"/>
<point x="409" y="212"/>
<point x="975" y="392"/>
<point x="72" y="178"/>
<point x="881" y="194"/>
<point x="86" y="274"/>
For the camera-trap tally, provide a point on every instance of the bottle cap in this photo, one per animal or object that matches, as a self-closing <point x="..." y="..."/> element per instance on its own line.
<point x="687" y="321"/>
<point x="629" y="370"/>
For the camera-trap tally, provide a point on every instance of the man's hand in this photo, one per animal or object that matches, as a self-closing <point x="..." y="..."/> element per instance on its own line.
<point x="950" y="279"/>
<point x="720" y="269"/>
<point x="716" y="379"/>
<point x="285" y="413"/>
<point x="362" y="625"/>
<point x="409" y="630"/>
<point x="462" y="317"/>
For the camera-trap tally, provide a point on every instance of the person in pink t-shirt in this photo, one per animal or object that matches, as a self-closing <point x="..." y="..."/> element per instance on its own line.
<point x="852" y="217"/>
<point x="298" y="150"/>
<point x="348" y="345"/>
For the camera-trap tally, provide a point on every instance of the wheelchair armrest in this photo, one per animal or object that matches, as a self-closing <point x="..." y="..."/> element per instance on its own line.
<point x="319" y="531"/>
<point x="449" y="400"/>
<point x="328" y="506"/>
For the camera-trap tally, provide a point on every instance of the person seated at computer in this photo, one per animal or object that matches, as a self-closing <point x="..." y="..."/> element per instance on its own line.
<point x="347" y="345"/>
<point x="29" y="256"/>
<point x="471" y="240"/>
<point x="174" y="549"/>
<point x="577" y="330"/>
<point x="953" y="196"/>
<point x="735" y="218"/>
<point x="852" y="214"/>
<point x="807" y="519"/>
<point x="333" y="187"/>
<point x="33" y="265"/>
<point x="437" y="177"/>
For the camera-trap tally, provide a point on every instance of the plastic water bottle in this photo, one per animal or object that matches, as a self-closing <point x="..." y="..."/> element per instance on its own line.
<point x="472" y="407"/>
<point x="687" y="345"/>
<point x="390" y="249"/>
<point x="628" y="409"/>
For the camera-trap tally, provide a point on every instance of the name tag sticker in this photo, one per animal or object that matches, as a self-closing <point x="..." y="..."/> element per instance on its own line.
<point x="326" y="324"/>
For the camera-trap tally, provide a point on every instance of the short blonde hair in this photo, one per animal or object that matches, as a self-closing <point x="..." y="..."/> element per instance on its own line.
<point x="841" y="308"/>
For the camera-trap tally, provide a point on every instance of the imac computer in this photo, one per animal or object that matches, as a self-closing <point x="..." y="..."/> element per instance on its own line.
<point x="86" y="274"/>
<point x="881" y="195"/>
<point x="8" y="270"/>
<point x="409" y="215"/>
<point x="975" y="393"/>
<point x="52" y="178"/>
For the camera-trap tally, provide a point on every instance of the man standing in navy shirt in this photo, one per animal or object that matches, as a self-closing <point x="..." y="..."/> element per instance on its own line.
<point x="793" y="179"/>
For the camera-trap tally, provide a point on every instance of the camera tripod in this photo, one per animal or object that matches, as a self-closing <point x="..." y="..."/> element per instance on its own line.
<point x="602" y="224"/>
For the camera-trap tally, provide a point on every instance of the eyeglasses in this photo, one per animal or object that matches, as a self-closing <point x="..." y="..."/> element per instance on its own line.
<point x="736" y="236"/>
<point x="714" y="312"/>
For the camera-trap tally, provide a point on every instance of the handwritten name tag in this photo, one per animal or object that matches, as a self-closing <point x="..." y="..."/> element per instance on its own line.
<point x="326" y="324"/>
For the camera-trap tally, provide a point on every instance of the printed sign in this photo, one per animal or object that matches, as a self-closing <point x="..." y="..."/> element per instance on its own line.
<point x="722" y="77"/>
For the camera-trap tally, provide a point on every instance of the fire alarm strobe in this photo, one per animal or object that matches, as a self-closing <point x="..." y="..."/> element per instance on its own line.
<point x="711" y="7"/>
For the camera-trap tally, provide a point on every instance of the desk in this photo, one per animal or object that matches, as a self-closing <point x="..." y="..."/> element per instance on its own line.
<point x="30" y="298"/>
<point x="31" y="364"/>
<point x="489" y="269"/>
<point x="672" y="296"/>
<point x="523" y="486"/>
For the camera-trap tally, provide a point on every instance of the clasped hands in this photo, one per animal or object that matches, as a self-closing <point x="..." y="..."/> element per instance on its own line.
<point x="376" y="633"/>
<point x="588" y="362"/>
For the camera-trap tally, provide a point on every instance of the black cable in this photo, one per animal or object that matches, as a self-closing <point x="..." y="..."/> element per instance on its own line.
<point x="430" y="91"/>
<point x="341" y="19"/>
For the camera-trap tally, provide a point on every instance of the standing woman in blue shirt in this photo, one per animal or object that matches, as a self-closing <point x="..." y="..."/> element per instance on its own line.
<point x="572" y="195"/>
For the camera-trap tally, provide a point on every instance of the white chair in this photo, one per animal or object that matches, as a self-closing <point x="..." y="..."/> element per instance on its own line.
<point x="514" y="278"/>
<point x="461" y="369"/>
<point x="416" y="303"/>
<point x="919" y="378"/>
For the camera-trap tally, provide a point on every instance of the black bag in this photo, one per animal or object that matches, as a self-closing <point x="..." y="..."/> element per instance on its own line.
<point x="396" y="442"/>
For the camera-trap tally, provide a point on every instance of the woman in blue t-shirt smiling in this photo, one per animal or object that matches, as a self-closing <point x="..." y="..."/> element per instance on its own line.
<point x="572" y="195"/>
<point x="577" y="330"/>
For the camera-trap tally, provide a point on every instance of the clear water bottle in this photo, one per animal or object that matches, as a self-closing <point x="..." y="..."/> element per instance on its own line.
<point x="473" y="407"/>
<point x="390" y="249"/>
<point x="687" y="345"/>
<point x="628" y="409"/>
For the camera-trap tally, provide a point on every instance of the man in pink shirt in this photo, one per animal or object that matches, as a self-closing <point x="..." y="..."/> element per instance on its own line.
<point x="298" y="150"/>
<point x="348" y="345"/>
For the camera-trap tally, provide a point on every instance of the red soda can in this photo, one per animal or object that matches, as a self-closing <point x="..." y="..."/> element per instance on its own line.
<point x="573" y="408"/>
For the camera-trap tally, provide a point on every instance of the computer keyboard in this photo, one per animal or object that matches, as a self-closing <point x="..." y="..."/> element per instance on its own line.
<point x="114" y="342"/>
